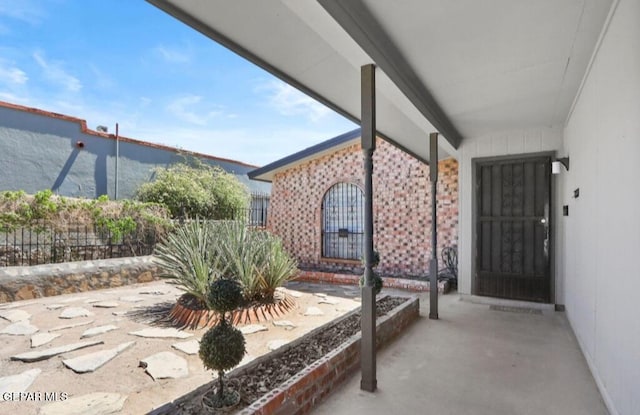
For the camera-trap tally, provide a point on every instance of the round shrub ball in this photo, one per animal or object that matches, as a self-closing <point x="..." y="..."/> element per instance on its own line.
<point x="222" y="347"/>
<point x="224" y="295"/>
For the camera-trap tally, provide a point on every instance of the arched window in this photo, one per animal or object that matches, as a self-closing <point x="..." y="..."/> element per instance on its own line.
<point x="343" y="222"/>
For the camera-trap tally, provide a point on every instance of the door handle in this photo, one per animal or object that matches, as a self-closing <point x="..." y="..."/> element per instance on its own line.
<point x="545" y="223"/>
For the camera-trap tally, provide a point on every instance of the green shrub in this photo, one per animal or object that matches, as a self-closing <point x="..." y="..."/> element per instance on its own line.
<point x="221" y="349"/>
<point x="225" y="295"/>
<point x="56" y="212"/>
<point x="198" y="191"/>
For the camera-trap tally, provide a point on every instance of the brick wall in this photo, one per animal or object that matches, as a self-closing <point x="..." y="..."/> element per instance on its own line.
<point x="402" y="206"/>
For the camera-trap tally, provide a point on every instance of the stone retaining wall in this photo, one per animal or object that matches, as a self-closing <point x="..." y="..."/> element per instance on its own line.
<point x="388" y="282"/>
<point x="22" y="283"/>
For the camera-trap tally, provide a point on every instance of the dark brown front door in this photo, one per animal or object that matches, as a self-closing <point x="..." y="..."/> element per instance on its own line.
<point x="512" y="245"/>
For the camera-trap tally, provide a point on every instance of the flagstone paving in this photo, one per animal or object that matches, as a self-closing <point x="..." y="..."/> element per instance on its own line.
<point x="95" y="331"/>
<point x="18" y="383"/>
<point x="54" y="351"/>
<point x="190" y="347"/>
<point x="75" y="312"/>
<point x="92" y="361"/>
<point x="21" y="328"/>
<point x="97" y="403"/>
<point x="157" y="333"/>
<point x="253" y="328"/>
<point x="15" y="315"/>
<point x="165" y="365"/>
<point x="128" y="366"/>
<point x="40" y="339"/>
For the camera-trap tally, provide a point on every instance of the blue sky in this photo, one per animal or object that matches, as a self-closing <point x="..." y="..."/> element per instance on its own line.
<point x="125" y="61"/>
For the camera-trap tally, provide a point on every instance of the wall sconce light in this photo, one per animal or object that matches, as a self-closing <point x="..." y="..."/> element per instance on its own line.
<point x="80" y="144"/>
<point x="555" y="165"/>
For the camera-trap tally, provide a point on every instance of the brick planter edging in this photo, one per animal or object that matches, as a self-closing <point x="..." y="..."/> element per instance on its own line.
<point x="389" y="282"/>
<point x="22" y="283"/>
<point x="309" y="387"/>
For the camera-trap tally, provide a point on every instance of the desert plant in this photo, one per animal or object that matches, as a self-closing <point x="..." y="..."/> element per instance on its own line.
<point x="198" y="253"/>
<point x="280" y="267"/>
<point x="189" y="259"/>
<point x="255" y="258"/>
<point x="223" y="346"/>
<point x="196" y="190"/>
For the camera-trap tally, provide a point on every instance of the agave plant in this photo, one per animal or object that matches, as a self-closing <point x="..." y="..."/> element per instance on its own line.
<point x="189" y="257"/>
<point x="255" y="258"/>
<point x="280" y="267"/>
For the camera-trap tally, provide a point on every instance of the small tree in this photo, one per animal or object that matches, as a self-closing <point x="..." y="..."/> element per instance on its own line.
<point x="222" y="347"/>
<point x="196" y="190"/>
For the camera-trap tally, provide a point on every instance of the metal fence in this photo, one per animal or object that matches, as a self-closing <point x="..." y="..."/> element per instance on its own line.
<point x="42" y="244"/>
<point x="258" y="209"/>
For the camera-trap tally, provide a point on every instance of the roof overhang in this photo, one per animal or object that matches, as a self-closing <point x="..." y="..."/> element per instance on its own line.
<point x="268" y="172"/>
<point x="462" y="68"/>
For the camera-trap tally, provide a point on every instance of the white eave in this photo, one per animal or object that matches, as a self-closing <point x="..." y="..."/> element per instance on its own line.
<point x="463" y="68"/>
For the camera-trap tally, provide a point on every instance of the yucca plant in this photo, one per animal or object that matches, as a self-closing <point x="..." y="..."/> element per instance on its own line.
<point x="255" y="258"/>
<point x="189" y="257"/>
<point x="279" y="268"/>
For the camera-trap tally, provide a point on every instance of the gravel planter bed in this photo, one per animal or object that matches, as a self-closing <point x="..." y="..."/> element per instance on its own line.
<point x="267" y="372"/>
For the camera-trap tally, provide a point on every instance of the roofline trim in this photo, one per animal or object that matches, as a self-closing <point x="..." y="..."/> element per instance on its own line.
<point x="216" y="36"/>
<point x="306" y="153"/>
<point x="86" y="130"/>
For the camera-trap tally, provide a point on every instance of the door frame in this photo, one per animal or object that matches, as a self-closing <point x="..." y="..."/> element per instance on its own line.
<point x="552" y="216"/>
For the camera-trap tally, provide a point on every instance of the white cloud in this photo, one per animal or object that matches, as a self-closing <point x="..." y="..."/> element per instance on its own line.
<point x="100" y="79"/>
<point x="172" y="55"/>
<point x="183" y="109"/>
<point x="12" y="75"/>
<point x="54" y="71"/>
<point x="25" y="10"/>
<point x="289" y="101"/>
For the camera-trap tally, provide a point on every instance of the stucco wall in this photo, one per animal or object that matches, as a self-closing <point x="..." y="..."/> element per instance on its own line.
<point x="601" y="239"/>
<point x="39" y="152"/>
<point x="402" y="208"/>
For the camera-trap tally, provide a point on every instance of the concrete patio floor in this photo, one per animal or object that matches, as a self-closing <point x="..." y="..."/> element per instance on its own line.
<point x="477" y="360"/>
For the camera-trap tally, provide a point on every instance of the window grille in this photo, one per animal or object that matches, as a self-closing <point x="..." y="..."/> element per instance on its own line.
<point x="343" y="222"/>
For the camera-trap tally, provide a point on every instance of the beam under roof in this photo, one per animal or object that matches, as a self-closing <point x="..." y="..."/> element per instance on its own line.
<point x="356" y="19"/>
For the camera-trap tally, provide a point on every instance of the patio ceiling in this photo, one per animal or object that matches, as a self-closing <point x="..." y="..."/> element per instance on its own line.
<point x="463" y="67"/>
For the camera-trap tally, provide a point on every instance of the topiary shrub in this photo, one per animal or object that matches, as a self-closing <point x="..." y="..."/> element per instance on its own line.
<point x="222" y="347"/>
<point x="225" y="295"/>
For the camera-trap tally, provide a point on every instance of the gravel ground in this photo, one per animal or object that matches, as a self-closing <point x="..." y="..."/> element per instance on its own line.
<point x="138" y="306"/>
